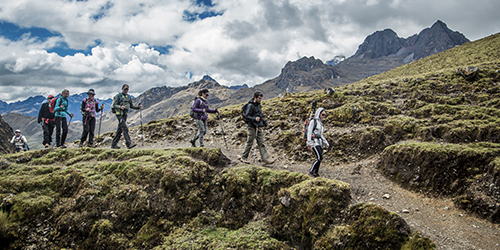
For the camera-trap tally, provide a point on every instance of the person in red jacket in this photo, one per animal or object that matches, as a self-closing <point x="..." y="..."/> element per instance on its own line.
<point x="48" y="122"/>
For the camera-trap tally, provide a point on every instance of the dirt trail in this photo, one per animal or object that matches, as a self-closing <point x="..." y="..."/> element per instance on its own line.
<point x="436" y="218"/>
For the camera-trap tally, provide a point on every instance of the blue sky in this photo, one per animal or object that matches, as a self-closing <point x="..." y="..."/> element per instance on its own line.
<point x="49" y="45"/>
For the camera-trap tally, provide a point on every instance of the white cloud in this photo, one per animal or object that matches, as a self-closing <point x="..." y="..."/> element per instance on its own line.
<point x="249" y="43"/>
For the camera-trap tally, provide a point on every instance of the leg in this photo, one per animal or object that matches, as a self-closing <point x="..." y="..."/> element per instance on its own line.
<point x="64" y="130"/>
<point x="193" y="141"/>
<point x="125" y="131"/>
<point x="91" y="130"/>
<point x="262" y="147"/>
<point x="118" y="132"/>
<point x="85" y="129"/>
<point x="318" y="151"/>
<point x="250" y="138"/>
<point x="58" y="131"/>
<point x="51" y="126"/>
<point x="202" y="127"/>
<point x="46" y="138"/>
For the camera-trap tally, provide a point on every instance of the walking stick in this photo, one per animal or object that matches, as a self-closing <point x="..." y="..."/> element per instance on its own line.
<point x="142" y="131"/>
<point x="222" y="129"/>
<point x="69" y="120"/>
<point x="100" y="120"/>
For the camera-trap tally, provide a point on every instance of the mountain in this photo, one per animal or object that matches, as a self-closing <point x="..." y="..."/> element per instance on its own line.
<point x="6" y="134"/>
<point x="32" y="104"/>
<point x="384" y="50"/>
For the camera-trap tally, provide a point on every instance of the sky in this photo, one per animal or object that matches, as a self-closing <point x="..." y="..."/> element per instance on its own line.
<point x="50" y="45"/>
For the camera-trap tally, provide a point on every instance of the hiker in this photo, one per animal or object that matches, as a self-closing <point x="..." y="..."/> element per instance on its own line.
<point x="316" y="141"/>
<point x="46" y="117"/>
<point x="122" y="102"/>
<point x="253" y="117"/>
<point x="19" y="141"/>
<point x="90" y="107"/>
<point x="61" y="109"/>
<point x="200" y="108"/>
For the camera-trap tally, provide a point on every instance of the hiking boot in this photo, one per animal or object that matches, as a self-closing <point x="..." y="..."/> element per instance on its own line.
<point x="193" y="143"/>
<point x="202" y="146"/>
<point x="131" y="145"/>
<point x="80" y="145"/>
<point x="47" y="145"/>
<point x="312" y="174"/>
<point x="63" y="146"/>
<point x="244" y="161"/>
<point x="91" y="145"/>
<point x="115" y="147"/>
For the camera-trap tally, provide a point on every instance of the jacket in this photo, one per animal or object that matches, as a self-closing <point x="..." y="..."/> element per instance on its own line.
<point x="94" y="107"/>
<point x="253" y="111"/>
<point x="44" y="114"/>
<point x="126" y="101"/>
<point x="316" y="128"/>
<point x="198" y="106"/>
<point x="61" y="112"/>
<point x="19" y="141"/>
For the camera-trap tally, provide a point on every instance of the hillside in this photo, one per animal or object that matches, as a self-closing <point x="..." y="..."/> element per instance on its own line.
<point x="414" y="151"/>
<point x="6" y="134"/>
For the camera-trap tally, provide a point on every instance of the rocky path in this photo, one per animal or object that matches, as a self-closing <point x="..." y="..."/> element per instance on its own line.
<point x="436" y="218"/>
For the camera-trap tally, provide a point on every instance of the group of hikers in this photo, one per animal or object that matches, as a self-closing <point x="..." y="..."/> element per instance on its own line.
<point x="253" y="117"/>
<point x="53" y="114"/>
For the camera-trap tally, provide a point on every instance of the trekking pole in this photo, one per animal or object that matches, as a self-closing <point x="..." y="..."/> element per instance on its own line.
<point x="100" y="120"/>
<point x="256" y="142"/>
<point x="222" y="129"/>
<point x="142" y="131"/>
<point x="69" y="120"/>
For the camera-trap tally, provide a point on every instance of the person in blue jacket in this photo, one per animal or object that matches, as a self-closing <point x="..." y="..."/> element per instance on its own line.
<point x="60" y="111"/>
<point x="200" y="107"/>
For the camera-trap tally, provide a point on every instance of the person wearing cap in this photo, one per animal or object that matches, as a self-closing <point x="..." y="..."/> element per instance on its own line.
<point x="19" y="141"/>
<point x="48" y="122"/>
<point x="90" y="107"/>
<point x="61" y="109"/>
<point x="122" y="102"/>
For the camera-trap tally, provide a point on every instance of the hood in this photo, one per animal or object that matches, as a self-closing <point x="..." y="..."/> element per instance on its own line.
<point x="318" y="112"/>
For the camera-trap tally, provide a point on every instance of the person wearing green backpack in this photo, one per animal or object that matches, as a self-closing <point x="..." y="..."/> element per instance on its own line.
<point x="122" y="103"/>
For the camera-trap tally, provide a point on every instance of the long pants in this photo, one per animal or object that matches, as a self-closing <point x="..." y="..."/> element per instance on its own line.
<point x="88" y="129"/>
<point x="202" y="130"/>
<point x="48" y="130"/>
<point x="61" y="124"/>
<point x="122" y="128"/>
<point x="318" y="151"/>
<point x="253" y="134"/>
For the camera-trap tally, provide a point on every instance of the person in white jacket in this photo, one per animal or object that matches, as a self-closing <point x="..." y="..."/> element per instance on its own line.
<point x="19" y="141"/>
<point x="316" y="141"/>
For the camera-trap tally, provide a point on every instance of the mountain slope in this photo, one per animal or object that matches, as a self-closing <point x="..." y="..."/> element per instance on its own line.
<point x="6" y="133"/>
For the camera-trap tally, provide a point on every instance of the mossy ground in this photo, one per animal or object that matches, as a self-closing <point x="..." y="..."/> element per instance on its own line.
<point x="163" y="199"/>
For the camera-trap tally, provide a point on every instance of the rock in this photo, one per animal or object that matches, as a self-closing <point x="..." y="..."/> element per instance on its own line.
<point x="468" y="73"/>
<point x="406" y="211"/>
<point x="386" y="196"/>
<point x="107" y="141"/>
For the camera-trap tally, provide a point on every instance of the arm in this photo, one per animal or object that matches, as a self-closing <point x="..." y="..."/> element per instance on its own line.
<point x="323" y="137"/>
<point x="132" y="106"/>
<point x="57" y="107"/>
<point x="115" y="103"/>
<point x="97" y="109"/>
<point x="13" y="138"/>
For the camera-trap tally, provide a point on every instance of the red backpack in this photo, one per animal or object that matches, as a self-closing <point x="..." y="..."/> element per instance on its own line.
<point x="52" y="104"/>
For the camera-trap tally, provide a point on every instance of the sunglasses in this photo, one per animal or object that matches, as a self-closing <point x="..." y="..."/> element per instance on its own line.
<point x="125" y="89"/>
<point x="323" y="114"/>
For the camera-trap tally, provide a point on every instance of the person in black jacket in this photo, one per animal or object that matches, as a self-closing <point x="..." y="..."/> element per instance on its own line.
<point x="254" y="119"/>
<point x="90" y="107"/>
<point x="47" y="117"/>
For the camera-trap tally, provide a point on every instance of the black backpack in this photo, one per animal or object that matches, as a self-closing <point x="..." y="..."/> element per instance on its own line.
<point x="246" y="119"/>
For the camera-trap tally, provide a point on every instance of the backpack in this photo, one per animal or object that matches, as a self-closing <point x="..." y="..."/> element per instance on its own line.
<point x="113" y="109"/>
<point x="52" y="104"/>
<point x="306" y="126"/>
<point x="191" y="111"/>
<point x="243" y="109"/>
